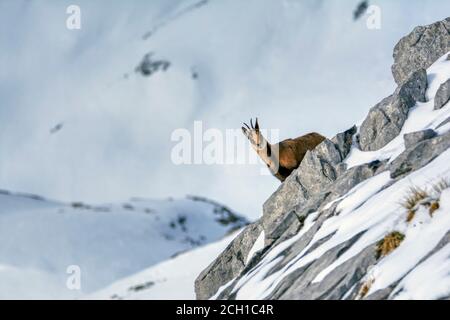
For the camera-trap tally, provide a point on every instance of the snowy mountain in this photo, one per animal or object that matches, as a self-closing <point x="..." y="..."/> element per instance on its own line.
<point x="43" y="240"/>
<point x="89" y="114"/>
<point x="367" y="213"/>
<point x="169" y="280"/>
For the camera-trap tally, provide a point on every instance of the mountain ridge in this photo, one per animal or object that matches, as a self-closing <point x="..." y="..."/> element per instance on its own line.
<point x="42" y="239"/>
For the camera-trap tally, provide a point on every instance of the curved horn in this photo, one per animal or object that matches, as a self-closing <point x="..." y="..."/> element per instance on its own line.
<point x="246" y="126"/>
<point x="251" y="123"/>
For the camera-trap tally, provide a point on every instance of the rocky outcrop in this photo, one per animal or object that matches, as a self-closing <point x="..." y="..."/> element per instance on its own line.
<point x="339" y="281"/>
<point x="443" y="123"/>
<point x="228" y="265"/>
<point x="319" y="168"/>
<point x="418" y="50"/>
<point x="442" y="95"/>
<point x="417" y="156"/>
<point x="386" y="119"/>
<point x="303" y="205"/>
<point x="412" y="138"/>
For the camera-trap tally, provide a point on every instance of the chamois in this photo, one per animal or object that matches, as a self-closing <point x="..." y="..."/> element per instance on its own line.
<point x="284" y="157"/>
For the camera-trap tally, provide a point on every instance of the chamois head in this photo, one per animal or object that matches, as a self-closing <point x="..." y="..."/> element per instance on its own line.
<point x="254" y="135"/>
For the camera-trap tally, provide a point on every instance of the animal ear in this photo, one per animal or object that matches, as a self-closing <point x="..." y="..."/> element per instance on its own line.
<point x="256" y="125"/>
<point x="245" y="132"/>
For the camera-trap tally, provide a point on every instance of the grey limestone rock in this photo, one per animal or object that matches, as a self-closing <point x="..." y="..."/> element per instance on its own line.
<point x="413" y="138"/>
<point x="420" y="49"/>
<point x="442" y="95"/>
<point x="419" y="155"/>
<point x="385" y="120"/>
<point x="229" y="263"/>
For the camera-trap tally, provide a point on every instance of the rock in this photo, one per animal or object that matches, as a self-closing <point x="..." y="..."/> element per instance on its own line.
<point x="280" y="203"/>
<point x="303" y="189"/>
<point x="420" y="49"/>
<point x="354" y="176"/>
<point x="448" y="58"/>
<point x="318" y="167"/>
<point x="148" y="66"/>
<point x="443" y="123"/>
<point x="411" y="139"/>
<point x="229" y="263"/>
<point x="419" y="155"/>
<point x="288" y="254"/>
<point x="337" y="283"/>
<point x="382" y="294"/>
<point x="317" y="170"/>
<point x="343" y="141"/>
<point x="288" y="224"/>
<point x="386" y="119"/>
<point x="382" y="124"/>
<point x="414" y="89"/>
<point x="442" y="95"/>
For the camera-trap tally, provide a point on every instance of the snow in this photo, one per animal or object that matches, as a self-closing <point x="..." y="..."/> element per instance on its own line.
<point x="372" y="209"/>
<point x="170" y="280"/>
<point x="421" y="237"/>
<point x="429" y="280"/>
<point x="257" y="246"/>
<point x="42" y="238"/>
<point x="221" y="289"/>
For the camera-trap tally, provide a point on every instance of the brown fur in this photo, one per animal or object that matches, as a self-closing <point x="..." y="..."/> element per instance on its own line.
<point x="288" y="154"/>
<point x="292" y="152"/>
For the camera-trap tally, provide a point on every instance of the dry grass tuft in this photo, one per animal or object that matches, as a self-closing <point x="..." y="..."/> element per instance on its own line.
<point x="410" y="216"/>
<point x="414" y="198"/>
<point x="433" y="207"/>
<point x="365" y="288"/>
<point x="389" y="243"/>
<point x="417" y="197"/>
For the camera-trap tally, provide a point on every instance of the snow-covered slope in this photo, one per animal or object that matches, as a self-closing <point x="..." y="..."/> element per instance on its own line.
<point x="41" y="239"/>
<point x="373" y="208"/>
<point x="354" y="224"/>
<point x="168" y="280"/>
